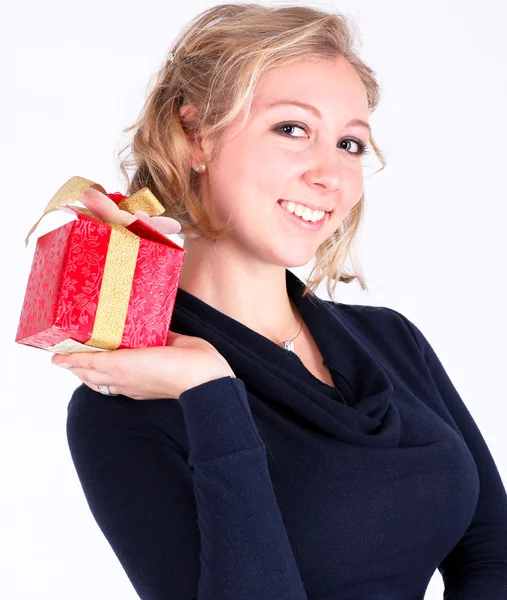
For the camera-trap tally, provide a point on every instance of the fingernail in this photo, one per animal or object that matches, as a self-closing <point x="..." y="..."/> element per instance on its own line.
<point x="65" y="365"/>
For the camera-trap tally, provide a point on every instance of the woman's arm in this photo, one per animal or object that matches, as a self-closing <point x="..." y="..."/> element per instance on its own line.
<point x="476" y="569"/>
<point x="208" y="527"/>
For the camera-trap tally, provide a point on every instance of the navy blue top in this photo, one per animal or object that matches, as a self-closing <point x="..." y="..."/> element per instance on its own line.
<point x="277" y="486"/>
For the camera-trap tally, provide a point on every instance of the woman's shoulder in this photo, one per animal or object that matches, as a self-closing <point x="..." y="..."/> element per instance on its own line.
<point x="377" y="319"/>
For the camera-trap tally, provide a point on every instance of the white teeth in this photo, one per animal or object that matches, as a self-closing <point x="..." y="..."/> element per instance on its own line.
<point x="303" y="211"/>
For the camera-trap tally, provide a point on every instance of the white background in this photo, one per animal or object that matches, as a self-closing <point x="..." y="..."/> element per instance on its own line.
<point x="433" y="245"/>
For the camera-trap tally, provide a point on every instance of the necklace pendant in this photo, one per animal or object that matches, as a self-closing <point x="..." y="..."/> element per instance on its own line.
<point x="289" y="345"/>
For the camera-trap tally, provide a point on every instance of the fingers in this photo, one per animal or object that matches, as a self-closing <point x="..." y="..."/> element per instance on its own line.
<point x="164" y="225"/>
<point x="84" y="360"/>
<point x="88" y="367"/>
<point x="112" y="389"/>
<point x="99" y="204"/>
<point x="105" y="208"/>
<point x="91" y="377"/>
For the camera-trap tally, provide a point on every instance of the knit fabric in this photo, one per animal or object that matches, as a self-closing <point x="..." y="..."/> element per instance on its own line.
<point x="276" y="486"/>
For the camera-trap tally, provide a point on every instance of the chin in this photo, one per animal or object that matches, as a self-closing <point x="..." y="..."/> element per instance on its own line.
<point x="297" y="259"/>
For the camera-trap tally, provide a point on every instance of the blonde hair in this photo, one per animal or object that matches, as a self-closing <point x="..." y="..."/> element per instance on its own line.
<point x="219" y="58"/>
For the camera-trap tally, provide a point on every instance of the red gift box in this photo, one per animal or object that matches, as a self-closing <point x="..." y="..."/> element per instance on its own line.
<point x="99" y="286"/>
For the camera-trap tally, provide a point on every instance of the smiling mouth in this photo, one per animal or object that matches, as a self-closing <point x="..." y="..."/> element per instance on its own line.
<point x="326" y="212"/>
<point x="308" y="226"/>
<point x="284" y="200"/>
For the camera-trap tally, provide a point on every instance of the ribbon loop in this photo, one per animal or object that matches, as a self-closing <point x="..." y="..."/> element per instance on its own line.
<point x="67" y="194"/>
<point x="143" y="200"/>
<point x="72" y="189"/>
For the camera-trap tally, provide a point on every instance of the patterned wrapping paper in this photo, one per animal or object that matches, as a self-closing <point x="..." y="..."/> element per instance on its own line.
<point x="65" y="285"/>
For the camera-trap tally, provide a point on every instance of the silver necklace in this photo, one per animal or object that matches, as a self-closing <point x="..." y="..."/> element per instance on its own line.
<point x="289" y="344"/>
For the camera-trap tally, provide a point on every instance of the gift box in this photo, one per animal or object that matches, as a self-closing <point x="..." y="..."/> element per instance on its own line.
<point x="97" y="286"/>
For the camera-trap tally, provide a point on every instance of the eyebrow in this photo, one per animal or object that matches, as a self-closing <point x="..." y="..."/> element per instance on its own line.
<point x="315" y="111"/>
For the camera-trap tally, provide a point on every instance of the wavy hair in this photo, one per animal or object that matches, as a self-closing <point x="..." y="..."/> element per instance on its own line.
<point x="219" y="59"/>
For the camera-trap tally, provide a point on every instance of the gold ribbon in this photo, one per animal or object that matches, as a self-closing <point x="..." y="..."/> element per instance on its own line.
<point x="73" y="188"/>
<point x="142" y="200"/>
<point x="121" y="258"/>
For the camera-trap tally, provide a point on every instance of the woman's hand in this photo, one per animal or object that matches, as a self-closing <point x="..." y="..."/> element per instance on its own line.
<point x="150" y="373"/>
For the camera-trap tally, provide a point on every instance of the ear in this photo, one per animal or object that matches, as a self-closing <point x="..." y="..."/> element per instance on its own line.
<point x="202" y="145"/>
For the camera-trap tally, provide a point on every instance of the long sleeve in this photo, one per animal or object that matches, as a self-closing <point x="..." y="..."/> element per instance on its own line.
<point x="476" y="568"/>
<point x="206" y="527"/>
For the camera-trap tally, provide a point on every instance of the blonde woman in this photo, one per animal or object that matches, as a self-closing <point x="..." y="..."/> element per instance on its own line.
<point x="281" y="446"/>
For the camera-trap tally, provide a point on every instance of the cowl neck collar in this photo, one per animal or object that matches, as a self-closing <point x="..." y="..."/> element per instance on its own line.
<point x="358" y="410"/>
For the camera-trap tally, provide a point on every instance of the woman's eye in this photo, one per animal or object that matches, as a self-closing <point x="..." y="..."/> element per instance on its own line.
<point x="289" y="126"/>
<point x="358" y="147"/>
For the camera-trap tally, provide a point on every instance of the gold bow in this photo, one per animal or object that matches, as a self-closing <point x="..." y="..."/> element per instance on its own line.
<point x="120" y="262"/>
<point x="72" y="189"/>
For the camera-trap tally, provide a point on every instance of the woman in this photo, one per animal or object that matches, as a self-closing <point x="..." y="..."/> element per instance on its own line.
<point x="280" y="446"/>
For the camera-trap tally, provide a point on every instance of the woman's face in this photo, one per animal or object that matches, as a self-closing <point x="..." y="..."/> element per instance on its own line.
<point x="288" y="152"/>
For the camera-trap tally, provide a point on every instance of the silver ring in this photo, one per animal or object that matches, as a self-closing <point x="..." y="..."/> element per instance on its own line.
<point x="104" y="389"/>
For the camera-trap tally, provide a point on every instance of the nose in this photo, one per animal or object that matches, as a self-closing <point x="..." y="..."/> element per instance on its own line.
<point x="325" y="170"/>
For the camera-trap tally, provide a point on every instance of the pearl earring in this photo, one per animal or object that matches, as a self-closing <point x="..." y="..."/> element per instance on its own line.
<point x="201" y="167"/>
